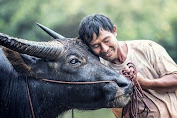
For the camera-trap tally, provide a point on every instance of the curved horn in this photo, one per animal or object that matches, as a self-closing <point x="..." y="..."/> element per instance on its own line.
<point x="50" y="32"/>
<point x="48" y="50"/>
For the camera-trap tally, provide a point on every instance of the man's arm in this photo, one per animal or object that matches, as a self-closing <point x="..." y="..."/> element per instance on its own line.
<point x="167" y="83"/>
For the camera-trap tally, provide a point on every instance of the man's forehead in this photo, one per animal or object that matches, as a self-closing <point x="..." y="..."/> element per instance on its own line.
<point x="92" y="38"/>
<point x="102" y="34"/>
<point x="95" y="36"/>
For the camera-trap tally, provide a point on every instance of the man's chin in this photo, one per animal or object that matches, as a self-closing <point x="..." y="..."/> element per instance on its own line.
<point x="108" y="59"/>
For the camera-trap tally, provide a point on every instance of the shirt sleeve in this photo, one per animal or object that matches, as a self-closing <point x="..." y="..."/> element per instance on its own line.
<point x="161" y="61"/>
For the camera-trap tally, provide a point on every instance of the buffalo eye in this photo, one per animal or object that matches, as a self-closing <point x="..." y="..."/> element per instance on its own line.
<point x="74" y="62"/>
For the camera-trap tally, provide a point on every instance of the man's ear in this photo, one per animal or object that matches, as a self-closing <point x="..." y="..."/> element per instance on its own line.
<point x="115" y="30"/>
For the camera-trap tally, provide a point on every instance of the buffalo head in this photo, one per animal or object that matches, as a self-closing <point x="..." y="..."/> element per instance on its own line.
<point x="63" y="59"/>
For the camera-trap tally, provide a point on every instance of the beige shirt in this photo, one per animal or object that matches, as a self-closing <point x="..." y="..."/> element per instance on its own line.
<point x="152" y="61"/>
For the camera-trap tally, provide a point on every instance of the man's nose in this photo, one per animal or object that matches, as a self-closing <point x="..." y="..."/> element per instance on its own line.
<point x="104" y="48"/>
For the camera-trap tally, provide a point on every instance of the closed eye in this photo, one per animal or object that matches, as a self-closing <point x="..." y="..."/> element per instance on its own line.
<point x="95" y="46"/>
<point x="106" y="40"/>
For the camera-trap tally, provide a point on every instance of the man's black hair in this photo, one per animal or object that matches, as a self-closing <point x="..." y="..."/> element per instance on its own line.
<point x="93" y="24"/>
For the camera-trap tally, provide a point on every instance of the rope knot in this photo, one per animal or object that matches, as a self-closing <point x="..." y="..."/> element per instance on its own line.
<point x="131" y="110"/>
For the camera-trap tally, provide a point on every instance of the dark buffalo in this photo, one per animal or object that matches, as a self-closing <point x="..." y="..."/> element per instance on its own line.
<point x="24" y="64"/>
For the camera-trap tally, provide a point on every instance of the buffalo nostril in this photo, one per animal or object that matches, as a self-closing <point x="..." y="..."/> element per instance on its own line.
<point x="122" y="85"/>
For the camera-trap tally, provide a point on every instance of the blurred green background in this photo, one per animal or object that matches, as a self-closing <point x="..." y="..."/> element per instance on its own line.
<point x="135" y="19"/>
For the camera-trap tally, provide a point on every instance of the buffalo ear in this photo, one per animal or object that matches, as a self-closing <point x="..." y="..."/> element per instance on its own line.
<point x="17" y="62"/>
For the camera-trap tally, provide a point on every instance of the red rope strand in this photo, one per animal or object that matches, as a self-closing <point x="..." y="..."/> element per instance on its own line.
<point x="132" y="109"/>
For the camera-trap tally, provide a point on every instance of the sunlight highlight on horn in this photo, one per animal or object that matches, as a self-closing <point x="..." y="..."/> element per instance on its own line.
<point x="50" y="32"/>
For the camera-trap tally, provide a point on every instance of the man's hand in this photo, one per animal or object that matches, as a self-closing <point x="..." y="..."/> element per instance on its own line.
<point x="129" y="71"/>
<point x="142" y="81"/>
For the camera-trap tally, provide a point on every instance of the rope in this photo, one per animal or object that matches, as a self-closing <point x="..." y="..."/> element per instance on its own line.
<point x="129" y="111"/>
<point x="72" y="113"/>
<point x="59" y="82"/>
<point x="132" y="109"/>
<point x="29" y="97"/>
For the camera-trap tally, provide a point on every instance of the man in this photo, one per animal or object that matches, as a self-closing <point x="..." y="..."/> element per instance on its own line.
<point x="157" y="72"/>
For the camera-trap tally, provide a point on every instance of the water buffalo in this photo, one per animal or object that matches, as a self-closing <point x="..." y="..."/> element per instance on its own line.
<point x="31" y="76"/>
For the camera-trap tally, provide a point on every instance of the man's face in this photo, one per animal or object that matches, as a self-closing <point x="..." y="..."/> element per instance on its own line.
<point x="105" y="45"/>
